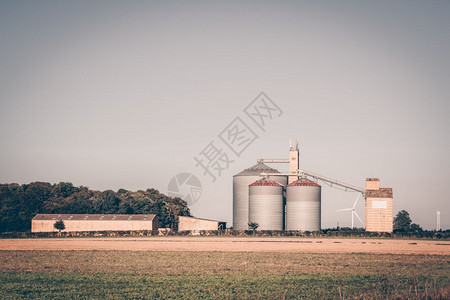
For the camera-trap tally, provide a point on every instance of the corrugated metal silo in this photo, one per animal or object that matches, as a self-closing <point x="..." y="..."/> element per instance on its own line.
<point x="266" y="204"/>
<point x="303" y="201"/>
<point x="241" y="182"/>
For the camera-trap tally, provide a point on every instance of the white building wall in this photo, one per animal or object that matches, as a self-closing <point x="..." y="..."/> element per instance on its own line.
<point x="92" y="225"/>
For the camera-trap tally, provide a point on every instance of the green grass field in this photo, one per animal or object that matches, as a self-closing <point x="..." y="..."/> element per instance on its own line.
<point x="220" y="275"/>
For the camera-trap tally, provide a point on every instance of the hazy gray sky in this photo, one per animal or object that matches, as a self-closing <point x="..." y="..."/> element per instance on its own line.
<point x="124" y="94"/>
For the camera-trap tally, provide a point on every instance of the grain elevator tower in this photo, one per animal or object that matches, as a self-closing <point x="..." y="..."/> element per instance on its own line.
<point x="378" y="207"/>
<point x="293" y="162"/>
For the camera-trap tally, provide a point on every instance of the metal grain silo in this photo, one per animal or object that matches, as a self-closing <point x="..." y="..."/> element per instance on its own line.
<point x="303" y="199"/>
<point x="241" y="182"/>
<point x="266" y="204"/>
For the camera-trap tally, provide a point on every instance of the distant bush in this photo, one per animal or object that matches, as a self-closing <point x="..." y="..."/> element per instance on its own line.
<point x="65" y="234"/>
<point x="445" y="235"/>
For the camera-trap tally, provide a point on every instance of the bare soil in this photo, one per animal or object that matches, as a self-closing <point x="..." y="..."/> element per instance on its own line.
<point x="227" y="244"/>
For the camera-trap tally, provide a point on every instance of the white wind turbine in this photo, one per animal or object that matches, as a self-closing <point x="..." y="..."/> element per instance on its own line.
<point x="353" y="212"/>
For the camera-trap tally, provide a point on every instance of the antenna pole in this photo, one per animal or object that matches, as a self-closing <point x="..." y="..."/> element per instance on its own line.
<point x="438" y="220"/>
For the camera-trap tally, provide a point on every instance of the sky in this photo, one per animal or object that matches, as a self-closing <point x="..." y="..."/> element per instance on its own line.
<point x="114" y="94"/>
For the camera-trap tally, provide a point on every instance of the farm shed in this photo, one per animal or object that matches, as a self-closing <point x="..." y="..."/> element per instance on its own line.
<point x="81" y="222"/>
<point x="193" y="224"/>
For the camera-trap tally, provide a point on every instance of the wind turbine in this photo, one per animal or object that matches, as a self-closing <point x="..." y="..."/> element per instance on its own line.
<point x="353" y="212"/>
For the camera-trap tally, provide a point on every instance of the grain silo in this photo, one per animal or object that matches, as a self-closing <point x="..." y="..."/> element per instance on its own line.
<point x="241" y="182"/>
<point x="266" y="204"/>
<point x="303" y="198"/>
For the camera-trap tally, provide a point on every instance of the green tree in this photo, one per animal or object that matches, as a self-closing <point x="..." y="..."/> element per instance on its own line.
<point x="415" y="228"/>
<point x="253" y="226"/>
<point x="65" y="189"/>
<point x="59" y="225"/>
<point x="108" y="203"/>
<point x="402" y="221"/>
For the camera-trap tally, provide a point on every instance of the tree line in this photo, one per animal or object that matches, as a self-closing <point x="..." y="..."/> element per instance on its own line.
<point x="20" y="203"/>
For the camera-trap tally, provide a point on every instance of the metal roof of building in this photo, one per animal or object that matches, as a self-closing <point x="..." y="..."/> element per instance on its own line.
<point x="303" y="182"/>
<point x="265" y="182"/>
<point x="90" y="217"/>
<point x="202" y="219"/>
<point x="381" y="193"/>
<point x="257" y="169"/>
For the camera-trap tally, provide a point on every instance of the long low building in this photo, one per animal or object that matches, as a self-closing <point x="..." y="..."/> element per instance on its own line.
<point x="196" y="224"/>
<point x="80" y="222"/>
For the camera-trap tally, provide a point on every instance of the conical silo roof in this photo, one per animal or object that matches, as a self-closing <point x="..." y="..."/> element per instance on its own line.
<point x="257" y="169"/>
<point x="265" y="182"/>
<point x="303" y="182"/>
